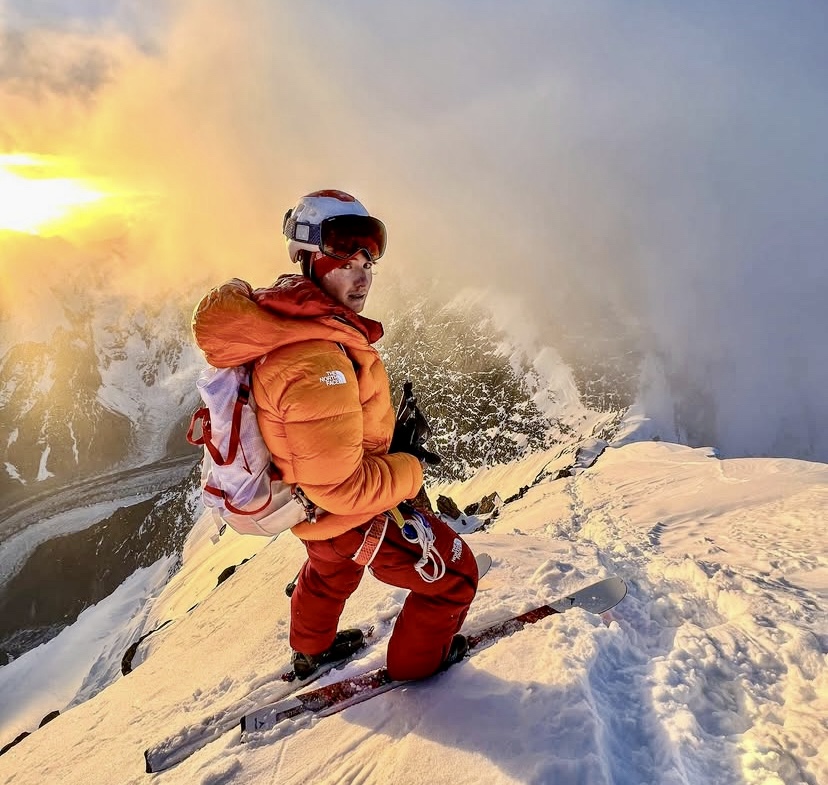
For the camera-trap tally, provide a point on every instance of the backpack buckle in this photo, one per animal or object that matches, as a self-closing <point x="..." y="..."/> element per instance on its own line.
<point x="307" y="504"/>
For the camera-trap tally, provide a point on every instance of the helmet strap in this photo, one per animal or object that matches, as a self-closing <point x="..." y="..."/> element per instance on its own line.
<point x="305" y="258"/>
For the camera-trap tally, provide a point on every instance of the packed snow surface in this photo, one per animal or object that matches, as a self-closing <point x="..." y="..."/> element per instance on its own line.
<point x="712" y="670"/>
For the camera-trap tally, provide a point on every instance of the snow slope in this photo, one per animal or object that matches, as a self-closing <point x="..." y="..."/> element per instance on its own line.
<point x="713" y="669"/>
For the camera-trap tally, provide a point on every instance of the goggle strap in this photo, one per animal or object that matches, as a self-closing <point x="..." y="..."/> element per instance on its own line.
<point x="302" y="232"/>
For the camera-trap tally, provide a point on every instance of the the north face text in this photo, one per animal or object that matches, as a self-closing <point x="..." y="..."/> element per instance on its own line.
<point x="332" y="378"/>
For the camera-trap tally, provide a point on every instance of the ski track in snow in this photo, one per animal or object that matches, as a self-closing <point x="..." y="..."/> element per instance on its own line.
<point x="682" y="628"/>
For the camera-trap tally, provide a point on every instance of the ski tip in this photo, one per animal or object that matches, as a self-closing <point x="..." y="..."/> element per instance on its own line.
<point x="147" y="764"/>
<point x="595" y="598"/>
<point x="484" y="564"/>
<point x="619" y="583"/>
<point x="614" y="587"/>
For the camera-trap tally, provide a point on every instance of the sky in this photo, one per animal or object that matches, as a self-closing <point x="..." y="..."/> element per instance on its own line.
<point x="660" y="162"/>
<point x="711" y="670"/>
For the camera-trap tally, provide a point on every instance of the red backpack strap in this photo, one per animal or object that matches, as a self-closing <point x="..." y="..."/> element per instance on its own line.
<point x="203" y="415"/>
<point x="242" y="399"/>
<point x="206" y="438"/>
<point x="238" y="511"/>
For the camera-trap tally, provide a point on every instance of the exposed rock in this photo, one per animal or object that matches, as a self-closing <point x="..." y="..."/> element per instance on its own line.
<point x="225" y="574"/>
<point x="479" y="400"/>
<point x="228" y="571"/>
<point x="519" y="495"/>
<point x="488" y="504"/>
<point x="446" y="505"/>
<point x="13" y="743"/>
<point x="421" y="500"/>
<point x="129" y="654"/>
<point x="49" y="717"/>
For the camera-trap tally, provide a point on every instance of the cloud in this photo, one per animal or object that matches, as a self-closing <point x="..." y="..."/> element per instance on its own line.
<point x="664" y="163"/>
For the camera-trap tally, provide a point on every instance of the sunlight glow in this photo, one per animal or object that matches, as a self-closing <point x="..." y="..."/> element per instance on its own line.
<point x="31" y="200"/>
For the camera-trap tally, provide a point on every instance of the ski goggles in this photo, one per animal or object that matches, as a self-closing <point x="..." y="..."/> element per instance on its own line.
<point x="341" y="236"/>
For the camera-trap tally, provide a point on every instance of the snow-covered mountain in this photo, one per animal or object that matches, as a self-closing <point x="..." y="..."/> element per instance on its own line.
<point x="98" y="380"/>
<point x="714" y="669"/>
<point x="491" y="396"/>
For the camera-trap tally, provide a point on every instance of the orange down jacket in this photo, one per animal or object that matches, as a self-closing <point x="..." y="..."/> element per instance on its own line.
<point x="324" y="405"/>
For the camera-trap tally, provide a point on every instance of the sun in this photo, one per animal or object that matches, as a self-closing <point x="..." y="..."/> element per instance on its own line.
<point x="34" y="198"/>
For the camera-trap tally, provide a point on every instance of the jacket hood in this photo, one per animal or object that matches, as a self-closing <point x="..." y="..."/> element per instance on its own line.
<point x="298" y="297"/>
<point x="234" y="324"/>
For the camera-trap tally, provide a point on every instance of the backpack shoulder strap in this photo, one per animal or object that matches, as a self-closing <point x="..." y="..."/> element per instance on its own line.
<point x="202" y="415"/>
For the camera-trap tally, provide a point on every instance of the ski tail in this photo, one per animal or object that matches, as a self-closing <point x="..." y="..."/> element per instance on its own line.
<point x="178" y="747"/>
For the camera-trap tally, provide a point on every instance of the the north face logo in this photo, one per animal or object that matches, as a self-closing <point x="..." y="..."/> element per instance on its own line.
<point x="333" y="377"/>
<point x="456" y="549"/>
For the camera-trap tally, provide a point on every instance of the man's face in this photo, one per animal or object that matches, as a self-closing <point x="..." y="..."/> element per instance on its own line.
<point x="350" y="283"/>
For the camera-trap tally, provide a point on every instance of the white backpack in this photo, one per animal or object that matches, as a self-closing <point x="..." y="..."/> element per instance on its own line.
<point x="238" y="480"/>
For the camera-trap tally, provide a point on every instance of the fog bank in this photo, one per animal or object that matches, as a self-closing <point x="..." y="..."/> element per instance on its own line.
<point x="663" y="163"/>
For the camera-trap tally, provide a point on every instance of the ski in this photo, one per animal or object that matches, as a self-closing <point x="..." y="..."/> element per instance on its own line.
<point x="332" y="698"/>
<point x="181" y="745"/>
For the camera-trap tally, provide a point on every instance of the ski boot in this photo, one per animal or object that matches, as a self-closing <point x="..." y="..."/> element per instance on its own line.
<point x="458" y="649"/>
<point x="345" y="644"/>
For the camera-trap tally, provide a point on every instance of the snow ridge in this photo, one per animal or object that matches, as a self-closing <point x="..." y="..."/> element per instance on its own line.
<point x="713" y="669"/>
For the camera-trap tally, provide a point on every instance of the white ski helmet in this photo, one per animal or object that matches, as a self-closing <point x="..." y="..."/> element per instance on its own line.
<point x="303" y="224"/>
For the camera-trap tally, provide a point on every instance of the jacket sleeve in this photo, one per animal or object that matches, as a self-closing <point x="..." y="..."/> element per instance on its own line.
<point x="323" y="427"/>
